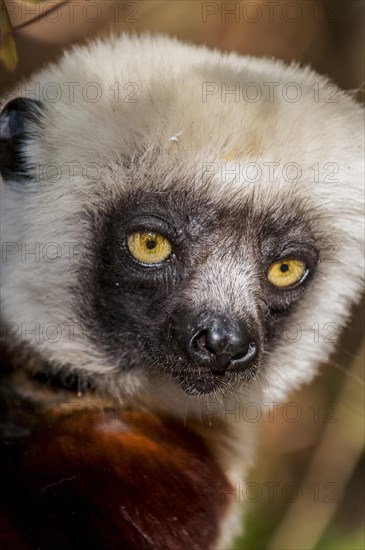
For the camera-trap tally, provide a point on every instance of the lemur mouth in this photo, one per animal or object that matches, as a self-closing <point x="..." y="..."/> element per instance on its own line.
<point x="202" y="385"/>
<point x="206" y="382"/>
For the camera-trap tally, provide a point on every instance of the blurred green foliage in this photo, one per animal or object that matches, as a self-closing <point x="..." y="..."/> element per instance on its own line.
<point x="8" y="53"/>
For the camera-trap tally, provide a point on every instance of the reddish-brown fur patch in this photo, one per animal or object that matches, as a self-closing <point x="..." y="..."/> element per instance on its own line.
<point x="137" y="481"/>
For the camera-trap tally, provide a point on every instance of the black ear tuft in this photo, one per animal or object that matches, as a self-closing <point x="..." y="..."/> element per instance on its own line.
<point x="15" y="126"/>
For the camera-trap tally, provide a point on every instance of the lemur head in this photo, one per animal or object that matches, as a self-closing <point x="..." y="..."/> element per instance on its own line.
<point x="177" y="218"/>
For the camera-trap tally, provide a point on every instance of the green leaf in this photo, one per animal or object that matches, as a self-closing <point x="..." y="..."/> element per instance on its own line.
<point x="8" y="55"/>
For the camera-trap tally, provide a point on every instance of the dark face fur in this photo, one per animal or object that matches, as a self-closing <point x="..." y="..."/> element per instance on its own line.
<point x="162" y="317"/>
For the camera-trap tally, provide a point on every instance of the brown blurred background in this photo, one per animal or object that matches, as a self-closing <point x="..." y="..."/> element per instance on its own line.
<point x="328" y="34"/>
<point x="307" y="488"/>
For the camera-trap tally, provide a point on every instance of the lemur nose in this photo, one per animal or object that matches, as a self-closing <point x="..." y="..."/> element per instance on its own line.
<point x="222" y="344"/>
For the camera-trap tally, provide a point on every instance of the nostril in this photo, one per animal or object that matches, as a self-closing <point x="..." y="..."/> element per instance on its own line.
<point x="245" y="357"/>
<point x="198" y="348"/>
<point x="212" y="352"/>
<point x="200" y="340"/>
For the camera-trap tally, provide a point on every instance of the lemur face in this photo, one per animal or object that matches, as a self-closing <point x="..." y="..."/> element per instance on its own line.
<point x="159" y="284"/>
<point x="186" y="271"/>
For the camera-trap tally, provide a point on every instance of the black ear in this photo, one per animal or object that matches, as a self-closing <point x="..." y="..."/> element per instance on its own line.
<point x="16" y="121"/>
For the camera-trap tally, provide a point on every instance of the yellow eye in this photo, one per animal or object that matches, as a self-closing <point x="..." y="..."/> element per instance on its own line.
<point x="149" y="248"/>
<point x="286" y="272"/>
